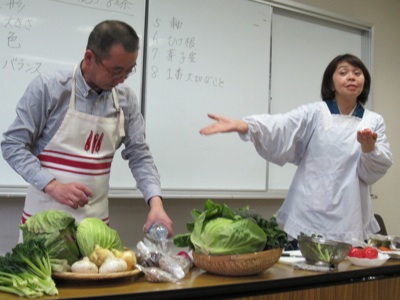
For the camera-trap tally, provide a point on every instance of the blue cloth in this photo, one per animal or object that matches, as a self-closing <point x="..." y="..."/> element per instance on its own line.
<point x="334" y="109"/>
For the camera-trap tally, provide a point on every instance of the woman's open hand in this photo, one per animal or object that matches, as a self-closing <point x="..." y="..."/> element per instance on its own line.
<point x="367" y="139"/>
<point x="224" y="124"/>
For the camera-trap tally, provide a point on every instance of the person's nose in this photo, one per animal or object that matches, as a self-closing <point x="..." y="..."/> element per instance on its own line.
<point x="351" y="77"/>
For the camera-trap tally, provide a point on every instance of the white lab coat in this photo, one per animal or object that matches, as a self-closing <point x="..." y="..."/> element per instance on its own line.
<point x="329" y="194"/>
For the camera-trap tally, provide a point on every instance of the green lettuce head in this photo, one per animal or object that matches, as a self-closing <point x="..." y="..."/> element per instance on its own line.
<point x="58" y="229"/>
<point x="222" y="236"/>
<point x="92" y="232"/>
<point x="218" y="230"/>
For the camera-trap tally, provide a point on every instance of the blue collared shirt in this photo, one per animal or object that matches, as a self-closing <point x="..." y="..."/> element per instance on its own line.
<point x="41" y="111"/>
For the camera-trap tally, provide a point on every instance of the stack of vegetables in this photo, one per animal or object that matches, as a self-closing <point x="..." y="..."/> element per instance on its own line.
<point x="54" y="242"/>
<point x="57" y="229"/>
<point x="219" y="230"/>
<point x="102" y="249"/>
<point x="26" y="271"/>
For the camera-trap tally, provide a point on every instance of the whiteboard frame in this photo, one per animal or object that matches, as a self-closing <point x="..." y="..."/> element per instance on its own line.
<point x="367" y="38"/>
<point x="367" y="57"/>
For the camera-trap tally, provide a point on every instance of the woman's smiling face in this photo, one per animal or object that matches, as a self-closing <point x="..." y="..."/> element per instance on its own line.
<point x="348" y="81"/>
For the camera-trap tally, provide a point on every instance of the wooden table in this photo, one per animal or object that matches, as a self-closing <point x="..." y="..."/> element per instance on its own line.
<point x="279" y="282"/>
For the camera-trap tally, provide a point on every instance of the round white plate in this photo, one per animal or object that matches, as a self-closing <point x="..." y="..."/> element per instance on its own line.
<point x="366" y="262"/>
<point x="95" y="276"/>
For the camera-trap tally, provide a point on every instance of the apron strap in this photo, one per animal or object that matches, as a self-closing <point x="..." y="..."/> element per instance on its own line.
<point x="72" y="99"/>
<point x="120" y="112"/>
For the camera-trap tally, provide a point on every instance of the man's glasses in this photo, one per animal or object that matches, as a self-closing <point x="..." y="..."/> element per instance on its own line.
<point x="115" y="74"/>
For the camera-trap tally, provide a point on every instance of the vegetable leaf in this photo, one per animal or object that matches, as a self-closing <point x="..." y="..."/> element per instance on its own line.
<point x="276" y="237"/>
<point x="58" y="229"/>
<point x="219" y="230"/>
<point x="26" y="271"/>
<point x="221" y="236"/>
<point x="92" y="232"/>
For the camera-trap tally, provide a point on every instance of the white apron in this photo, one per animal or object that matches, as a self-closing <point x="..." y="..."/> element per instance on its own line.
<point x="320" y="177"/>
<point x="81" y="151"/>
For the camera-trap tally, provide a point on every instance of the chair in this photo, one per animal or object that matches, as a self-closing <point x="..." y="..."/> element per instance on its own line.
<point x="381" y="224"/>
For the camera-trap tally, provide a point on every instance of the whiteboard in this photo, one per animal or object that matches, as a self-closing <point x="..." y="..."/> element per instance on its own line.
<point x="205" y="57"/>
<point x="302" y="47"/>
<point x="228" y="57"/>
<point x="44" y="35"/>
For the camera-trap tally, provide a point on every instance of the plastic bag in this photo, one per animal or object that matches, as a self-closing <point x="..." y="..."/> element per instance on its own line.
<point x="159" y="266"/>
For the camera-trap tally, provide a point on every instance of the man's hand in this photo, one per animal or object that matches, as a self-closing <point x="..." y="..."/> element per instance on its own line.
<point x="72" y="194"/>
<point x="158" y="215"/>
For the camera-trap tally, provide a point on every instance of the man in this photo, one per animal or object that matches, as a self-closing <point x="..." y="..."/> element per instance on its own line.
<point x="69" y="125"/>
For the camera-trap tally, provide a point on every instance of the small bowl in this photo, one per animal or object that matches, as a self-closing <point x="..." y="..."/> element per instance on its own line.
<point x="333" y="252"/>
<point x="366" y="262"/>
<point x="237" y="264"/>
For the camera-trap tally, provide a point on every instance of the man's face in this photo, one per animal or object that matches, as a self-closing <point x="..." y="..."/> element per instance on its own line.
<point x="113" y="70"/>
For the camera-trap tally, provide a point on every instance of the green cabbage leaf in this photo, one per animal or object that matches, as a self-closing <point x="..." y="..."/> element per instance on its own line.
<point x="218" y="230"/>
<point x="58" y="229"/>
<point x="221" y="236"/>
<point x="92" y="232"/>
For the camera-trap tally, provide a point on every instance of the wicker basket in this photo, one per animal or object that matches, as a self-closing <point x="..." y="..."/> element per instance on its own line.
<point x="237" y="264"/>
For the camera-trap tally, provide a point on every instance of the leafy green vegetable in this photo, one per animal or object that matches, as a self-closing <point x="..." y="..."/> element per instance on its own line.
<point x="59" y="265"/>
<point x="322" y="252"/>
<point x="219" y="230"/>
<point x="58" y="229"/>
<point x="223" y="236"/>
<point x="26" y="271"/>
<point x="276" y="237"/>
<point x="92" y="232"/>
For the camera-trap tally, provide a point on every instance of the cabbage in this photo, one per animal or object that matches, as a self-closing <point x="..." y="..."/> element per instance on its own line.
<point x="221" y="236"/>
<point x="92" y="232"/>
<point x="58" y="229"/>
<point x="219" y="230"/>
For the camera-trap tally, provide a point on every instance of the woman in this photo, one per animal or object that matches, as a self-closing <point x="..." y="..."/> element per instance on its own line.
<point x="340" y="149"/>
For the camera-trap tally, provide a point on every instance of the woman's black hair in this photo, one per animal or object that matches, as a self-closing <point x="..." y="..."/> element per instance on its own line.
<point x="327" y="88"/>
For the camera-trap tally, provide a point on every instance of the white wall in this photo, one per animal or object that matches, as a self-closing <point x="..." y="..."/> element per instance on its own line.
<point x="128" y="216"/>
